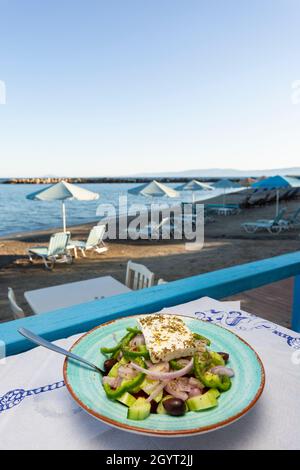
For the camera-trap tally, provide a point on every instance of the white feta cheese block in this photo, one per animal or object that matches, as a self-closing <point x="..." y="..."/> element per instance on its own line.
<point x="167" y="337"/>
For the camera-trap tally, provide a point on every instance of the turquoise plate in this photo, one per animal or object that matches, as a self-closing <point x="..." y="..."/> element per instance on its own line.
<point x="85" y="385"/>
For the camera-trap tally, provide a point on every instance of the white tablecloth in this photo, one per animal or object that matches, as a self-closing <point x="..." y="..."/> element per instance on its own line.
<point x="36" y="411"/>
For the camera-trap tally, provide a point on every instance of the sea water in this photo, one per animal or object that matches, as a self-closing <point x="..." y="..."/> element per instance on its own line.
<point x="18" y="214"/>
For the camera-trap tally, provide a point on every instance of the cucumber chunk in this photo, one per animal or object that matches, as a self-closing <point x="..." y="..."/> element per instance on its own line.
<point x="158" y="397"/>
<point x="215" y="392"/>
<point x="127" y="399"/>
<point x="139" y="410"/>
<point x="203" y="402"/>
<point x="161" y="409"/>
<point x="148" y="387"/>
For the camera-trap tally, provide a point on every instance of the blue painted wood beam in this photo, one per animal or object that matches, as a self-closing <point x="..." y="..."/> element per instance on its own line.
<point x="217" y="284"/>
<point x="296" y="305"/>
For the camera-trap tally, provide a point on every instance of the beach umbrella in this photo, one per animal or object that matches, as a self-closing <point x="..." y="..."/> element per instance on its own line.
<point x="226" y="185"/>
<point x="277" y="183"/>
<point x="195" y="185"/>
<point x="247" y="181"/>
<point x="63" y="191"/>
<point x="154" y="189"/>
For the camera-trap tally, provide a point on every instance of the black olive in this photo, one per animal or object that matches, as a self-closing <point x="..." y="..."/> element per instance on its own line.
<point x="108" y="364"/>
<point x="174" y="406"/>
<point x="225" y="356"/>
<point x="139" y="394"/>
<point x="153" y="406"/>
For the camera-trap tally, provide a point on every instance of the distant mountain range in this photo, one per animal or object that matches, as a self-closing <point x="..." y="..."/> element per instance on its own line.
<point x="225" y="173"/>
<point x="210" y="173"/>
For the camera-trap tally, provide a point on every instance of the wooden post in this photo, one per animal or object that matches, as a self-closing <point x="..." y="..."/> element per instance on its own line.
<point x="64" y="216"/>
<point x="296" y="305"/>
<point x="277" y="201"/>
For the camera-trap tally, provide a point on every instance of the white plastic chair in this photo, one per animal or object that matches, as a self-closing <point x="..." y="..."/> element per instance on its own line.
<point x="56" y="252"/>
<point x="94" y="242"/>
<point x="17" y="311"/>
<point x="161" y="281"/>
<point x="138" y="276"/>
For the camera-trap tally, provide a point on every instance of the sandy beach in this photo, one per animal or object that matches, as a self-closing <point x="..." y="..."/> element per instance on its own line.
<point x="226" y="244"/>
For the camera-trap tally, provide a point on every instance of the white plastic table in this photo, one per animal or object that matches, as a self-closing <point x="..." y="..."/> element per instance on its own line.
<point x="73" y="293"/>
<point x="225" y="211"/>
<point x="37" y="412"/>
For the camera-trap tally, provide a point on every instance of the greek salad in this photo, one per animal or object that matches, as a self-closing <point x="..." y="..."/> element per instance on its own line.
<point x="160" y="366"/>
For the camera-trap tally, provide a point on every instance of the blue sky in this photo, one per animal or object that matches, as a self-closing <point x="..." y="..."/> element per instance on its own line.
<point x="114" y="87"/>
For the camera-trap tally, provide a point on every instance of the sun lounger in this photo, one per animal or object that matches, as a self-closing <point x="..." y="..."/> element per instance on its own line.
<point x="94" y="242"/>
<point x="56" y="252"/>
<point x="294" y="193"/>
<point x="292" y="220"/>
<point x="271" y="197"/>
<point x="284" y="195"/>
<point x="151" y="231"/>
<point x="274" y="226"/>
<point x="257" y="199"/>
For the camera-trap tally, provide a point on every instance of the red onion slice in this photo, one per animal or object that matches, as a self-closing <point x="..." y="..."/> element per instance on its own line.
<point x="149" y="387"/>
<point x="183" y="384"/>
<point x="222" y="370"/>
<point x="119" y="380"/>
<point x="126" y="372"/>
<point x="111" y="381"/>
<point x="195" y="392"/>
<point x="160" y="367"/>
<point x="137" y="341"/>
<point x="165" y="375"/>
<point x="173" y="390"/>
<point x="196" y="383"/>
<point x="120" y="355"/>
<point x="156" y="391"/>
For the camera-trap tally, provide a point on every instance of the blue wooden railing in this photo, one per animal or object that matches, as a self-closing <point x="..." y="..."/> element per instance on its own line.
<point x="218" y="284"/>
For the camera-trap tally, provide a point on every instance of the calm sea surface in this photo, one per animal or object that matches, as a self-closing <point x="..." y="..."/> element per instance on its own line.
<point x="18" y="214"/>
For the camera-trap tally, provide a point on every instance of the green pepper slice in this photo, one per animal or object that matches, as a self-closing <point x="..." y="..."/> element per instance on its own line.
<point x="129" y="354"/>
<point x="202" y="338"/>
<point x="134" y="330"/>
<point x="110" y="350"/>
<point x="225" y="383"/>
<point x="175" y="365"/>
<point x="127" y="386"/>
<point x="216" y="358"/>
<point x="201" y="364"/>
<point x="124" y="341"/>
